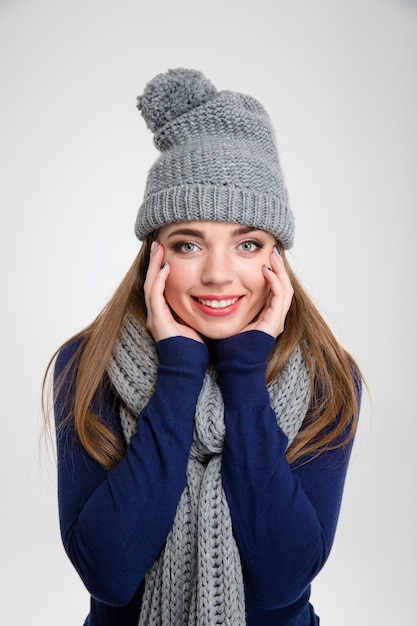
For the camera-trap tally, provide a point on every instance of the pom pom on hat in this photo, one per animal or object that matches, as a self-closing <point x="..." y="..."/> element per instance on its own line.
<point x="167" y="96"/>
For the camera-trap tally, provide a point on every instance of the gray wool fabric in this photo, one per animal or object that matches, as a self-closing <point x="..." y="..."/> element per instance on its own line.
<point x="197" y="580"/>
<point x="218" y="158"/>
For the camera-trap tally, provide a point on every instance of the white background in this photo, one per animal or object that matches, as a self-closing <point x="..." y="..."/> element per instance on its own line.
<point x="339" y="81"/>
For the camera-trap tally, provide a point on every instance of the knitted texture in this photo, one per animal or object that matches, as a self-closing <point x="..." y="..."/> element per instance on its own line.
<point x="197" y="580"/>
<point x="218" y="158"/>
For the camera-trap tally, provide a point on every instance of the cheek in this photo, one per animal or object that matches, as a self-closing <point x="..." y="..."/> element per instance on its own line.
<point x="177" y="283"/>
<point x="171" y="288"/>
<point x="263" y="293"/>
<point x="266" y="256"/>
<point x="260" y="289"/>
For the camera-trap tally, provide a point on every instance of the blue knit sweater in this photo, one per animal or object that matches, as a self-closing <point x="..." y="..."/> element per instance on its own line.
<point x="114" y="524"/>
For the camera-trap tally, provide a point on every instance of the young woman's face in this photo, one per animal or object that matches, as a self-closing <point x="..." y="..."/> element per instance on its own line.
<point x="215" y="284"/>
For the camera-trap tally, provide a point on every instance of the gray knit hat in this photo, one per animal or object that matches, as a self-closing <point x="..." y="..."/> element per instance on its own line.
<point x="219" y="160"/>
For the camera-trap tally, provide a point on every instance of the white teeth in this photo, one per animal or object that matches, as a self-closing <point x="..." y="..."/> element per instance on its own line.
<point x="218" y="304"/>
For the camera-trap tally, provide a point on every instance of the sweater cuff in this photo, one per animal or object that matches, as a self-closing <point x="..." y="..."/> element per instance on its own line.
<point x="245" y="349"/>
<point x="180" y="351"/>
<point x="242" y="362"/>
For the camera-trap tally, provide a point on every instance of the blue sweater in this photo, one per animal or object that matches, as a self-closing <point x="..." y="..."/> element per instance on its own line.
<point x="114" y="523"/>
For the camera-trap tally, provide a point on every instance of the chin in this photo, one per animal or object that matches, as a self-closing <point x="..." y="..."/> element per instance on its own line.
<point x="218" y="337"/>
<point x="218" y="334"/>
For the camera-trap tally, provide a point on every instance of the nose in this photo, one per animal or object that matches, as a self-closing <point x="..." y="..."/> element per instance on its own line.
<point x="217" y="269"/>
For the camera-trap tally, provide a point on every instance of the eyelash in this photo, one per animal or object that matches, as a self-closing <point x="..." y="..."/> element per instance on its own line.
<point x="257" y="245"/>
<point x="179" y="247"/>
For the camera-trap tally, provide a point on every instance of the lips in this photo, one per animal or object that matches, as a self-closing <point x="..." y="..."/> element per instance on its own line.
<point x="217" y="305"/>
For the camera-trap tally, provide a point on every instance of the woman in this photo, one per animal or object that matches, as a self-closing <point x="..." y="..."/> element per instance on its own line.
<point x="205" y="419"/>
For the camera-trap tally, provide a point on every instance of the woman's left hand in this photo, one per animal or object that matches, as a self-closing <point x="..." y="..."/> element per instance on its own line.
<point x="271" y="319"/>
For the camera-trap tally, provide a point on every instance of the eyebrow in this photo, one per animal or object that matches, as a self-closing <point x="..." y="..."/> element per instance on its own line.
<point x="191" y="232"/>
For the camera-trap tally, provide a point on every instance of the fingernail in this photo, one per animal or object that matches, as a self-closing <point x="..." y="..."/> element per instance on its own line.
<point x="155" y="246"/>
<point x="277" y="250"/>
<point x="268" y="268"/>
<point x="164" y="265"/>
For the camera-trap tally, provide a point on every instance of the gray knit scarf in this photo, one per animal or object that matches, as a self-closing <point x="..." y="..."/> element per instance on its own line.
<point x="197" y="579"/>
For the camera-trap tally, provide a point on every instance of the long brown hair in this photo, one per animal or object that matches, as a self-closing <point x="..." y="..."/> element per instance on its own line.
<point x="333" y="373"/>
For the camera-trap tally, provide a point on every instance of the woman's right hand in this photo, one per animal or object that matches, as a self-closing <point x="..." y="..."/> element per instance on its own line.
<point x="160" y="320"/>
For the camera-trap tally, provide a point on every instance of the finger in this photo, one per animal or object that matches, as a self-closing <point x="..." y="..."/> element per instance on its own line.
<point x="272" y="277"/>
<point x="155" y="288"/>
<point x="153" y="277"/>
<point x="158" y="312"/>
<point x="281" y="293"/>
<point x="277" y="263"/>
<point x="281" y="287"/>
<point x="155" y="261"/>
<point x="159" y="321"/>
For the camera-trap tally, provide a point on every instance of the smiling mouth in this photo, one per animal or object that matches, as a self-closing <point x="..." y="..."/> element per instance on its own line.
<point x="218" y="304"/>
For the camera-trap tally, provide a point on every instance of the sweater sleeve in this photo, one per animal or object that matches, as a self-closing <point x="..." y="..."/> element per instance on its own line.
<point x="114" y="523"/>
<point x="284" y="518"/>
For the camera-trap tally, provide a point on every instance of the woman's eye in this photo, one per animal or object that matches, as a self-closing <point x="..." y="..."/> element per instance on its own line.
<point x="185" y="246"/>
<point x="250" y="246"/>
<point x="189" y="247"/>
